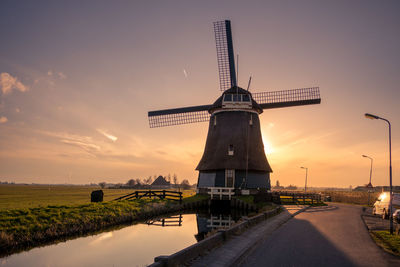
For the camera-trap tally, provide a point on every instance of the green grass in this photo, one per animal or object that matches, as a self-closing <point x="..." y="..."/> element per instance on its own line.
<point x="28" y="227"/>
<point x="26" y="221"/>
<point x="194" y="198"/>
<point x="30" y="196"/>
<point x="389" y="242"/>
<point x="35" y="214"/>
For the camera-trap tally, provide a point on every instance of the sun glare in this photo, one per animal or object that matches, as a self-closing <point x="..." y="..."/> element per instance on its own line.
<point x="267" y="146"/>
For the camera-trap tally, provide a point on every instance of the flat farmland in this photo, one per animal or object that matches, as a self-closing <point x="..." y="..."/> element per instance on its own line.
<point x="32" y="196"/>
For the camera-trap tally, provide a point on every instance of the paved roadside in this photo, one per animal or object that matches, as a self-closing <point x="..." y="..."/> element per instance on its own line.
<point x="374" y="222"/>
<point x="334" y="235"/>
<point x="234" y="249"/>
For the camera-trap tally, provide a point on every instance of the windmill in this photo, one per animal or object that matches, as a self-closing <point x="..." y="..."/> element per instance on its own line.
<point x="234" y="154"/>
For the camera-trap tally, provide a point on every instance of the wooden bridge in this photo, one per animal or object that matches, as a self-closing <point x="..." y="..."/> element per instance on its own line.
<point x="280" y="197"/>
<point x="161" y="194"/>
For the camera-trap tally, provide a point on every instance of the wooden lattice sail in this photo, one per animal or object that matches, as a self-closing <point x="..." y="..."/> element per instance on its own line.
<point x="234" y="154"/>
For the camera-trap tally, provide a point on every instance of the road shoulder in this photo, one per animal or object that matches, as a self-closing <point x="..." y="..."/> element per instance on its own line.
<point x="375" y="225"/>
<point x="234" y="250"/>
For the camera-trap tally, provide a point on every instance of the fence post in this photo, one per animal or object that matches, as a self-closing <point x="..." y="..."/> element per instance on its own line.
<point x="180" y="197"/>
<point x="163" y="193"/>
<point x="137" y="194"/>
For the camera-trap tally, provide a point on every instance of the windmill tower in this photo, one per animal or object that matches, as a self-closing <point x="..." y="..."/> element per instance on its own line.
<point x="234" y="154"/>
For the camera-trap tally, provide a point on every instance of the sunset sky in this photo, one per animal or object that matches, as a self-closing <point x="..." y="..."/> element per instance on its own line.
<point x="77" y="79"/>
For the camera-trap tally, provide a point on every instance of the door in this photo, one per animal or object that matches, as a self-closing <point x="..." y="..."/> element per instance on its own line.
<point x="230" y="178"/>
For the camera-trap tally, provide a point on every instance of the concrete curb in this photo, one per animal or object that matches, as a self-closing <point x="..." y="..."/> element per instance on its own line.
<point x="202" y="247"/>
<point x="211" y="242"/>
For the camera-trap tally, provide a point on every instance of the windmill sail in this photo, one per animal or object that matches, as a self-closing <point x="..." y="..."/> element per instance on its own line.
<point x="176" y="116"/>
<point x="225" y="56"/>
<point x="288" y="98"/>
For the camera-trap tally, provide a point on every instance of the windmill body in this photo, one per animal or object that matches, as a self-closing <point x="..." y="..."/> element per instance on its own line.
<point x="234" y="154"/>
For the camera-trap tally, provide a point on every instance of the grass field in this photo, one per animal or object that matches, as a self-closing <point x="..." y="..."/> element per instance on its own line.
<point x="352" y="197"/>
<point x="32" y="196"/>
<point x="35" y="214"/>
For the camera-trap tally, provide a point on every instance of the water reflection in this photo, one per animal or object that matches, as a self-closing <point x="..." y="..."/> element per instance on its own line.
<point x="134" y="245"/>
<point x="175" y="220"/>
<point x="211" y="222"/>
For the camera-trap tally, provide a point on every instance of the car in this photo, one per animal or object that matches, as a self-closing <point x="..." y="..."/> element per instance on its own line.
<point x="396" y="216"/>
<point x="381" y="206"/>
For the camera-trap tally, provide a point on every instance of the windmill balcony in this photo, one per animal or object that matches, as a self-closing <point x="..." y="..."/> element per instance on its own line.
<point x="221" y="193"/>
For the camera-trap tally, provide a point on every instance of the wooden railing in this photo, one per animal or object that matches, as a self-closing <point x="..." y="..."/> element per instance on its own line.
<point x="175" y="220"/>
<point x="161" y="194"/>
<point x="295" y="198"/>
<point x="221" y="192"/>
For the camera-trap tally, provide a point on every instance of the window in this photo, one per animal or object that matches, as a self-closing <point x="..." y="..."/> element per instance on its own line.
<point x="215" y="120"/>
<point x="246" y="98"/>
<point x="228" y="98"/>
<point x="230" y="150"/>
<point x="236" y="98"/>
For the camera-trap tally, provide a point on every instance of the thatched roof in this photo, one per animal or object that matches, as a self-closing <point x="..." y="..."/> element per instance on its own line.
<point x="160" y="181"/>
<point x="233" y="129"/>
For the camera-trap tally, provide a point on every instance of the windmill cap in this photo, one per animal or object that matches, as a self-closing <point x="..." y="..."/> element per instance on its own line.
<point x="235" y="90"/>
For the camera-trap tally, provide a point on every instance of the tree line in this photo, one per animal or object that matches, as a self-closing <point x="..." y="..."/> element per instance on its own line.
<point x="146" y="183"/>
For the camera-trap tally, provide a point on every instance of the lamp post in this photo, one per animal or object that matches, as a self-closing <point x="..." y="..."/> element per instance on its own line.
<point x="305" y="185"/>
<point x="370" y="177"/>
<point x="374" y="117"/>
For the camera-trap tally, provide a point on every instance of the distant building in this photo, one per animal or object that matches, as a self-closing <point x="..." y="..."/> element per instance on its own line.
<point x="160" y="183"/>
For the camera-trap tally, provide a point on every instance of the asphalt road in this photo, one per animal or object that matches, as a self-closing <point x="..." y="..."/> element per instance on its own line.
<point x="333" y="235"/>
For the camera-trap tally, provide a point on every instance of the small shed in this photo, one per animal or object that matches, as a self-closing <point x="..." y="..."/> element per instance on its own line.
<point x="160" y="183"/>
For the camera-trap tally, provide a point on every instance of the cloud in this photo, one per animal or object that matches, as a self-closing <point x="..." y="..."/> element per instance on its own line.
<point x="9" y="83"/>
<point x="84" y="142"/>
<point x="3" y="119"/>
<point x="61" y="75"/>
<point x="109" y="136"/>
<point x="88" y="147"/>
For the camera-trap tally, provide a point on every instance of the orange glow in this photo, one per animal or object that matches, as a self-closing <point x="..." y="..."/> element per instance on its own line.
<point x="382" y="196"/>
<point x="268" y="148"/>
<point x="71" y="111"/>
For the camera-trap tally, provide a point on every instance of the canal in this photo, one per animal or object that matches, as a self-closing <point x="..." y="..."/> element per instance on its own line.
<point x="134" y="245"/>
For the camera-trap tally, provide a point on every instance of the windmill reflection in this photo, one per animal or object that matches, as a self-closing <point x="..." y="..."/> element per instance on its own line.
<point x="207" y="222"/>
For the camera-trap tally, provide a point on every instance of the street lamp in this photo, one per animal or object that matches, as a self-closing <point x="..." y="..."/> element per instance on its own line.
<point x="374" y="117"/>
<point x="370" y="171"/>
<point x="370" y="177"/>
<point x="305" y="186"/>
